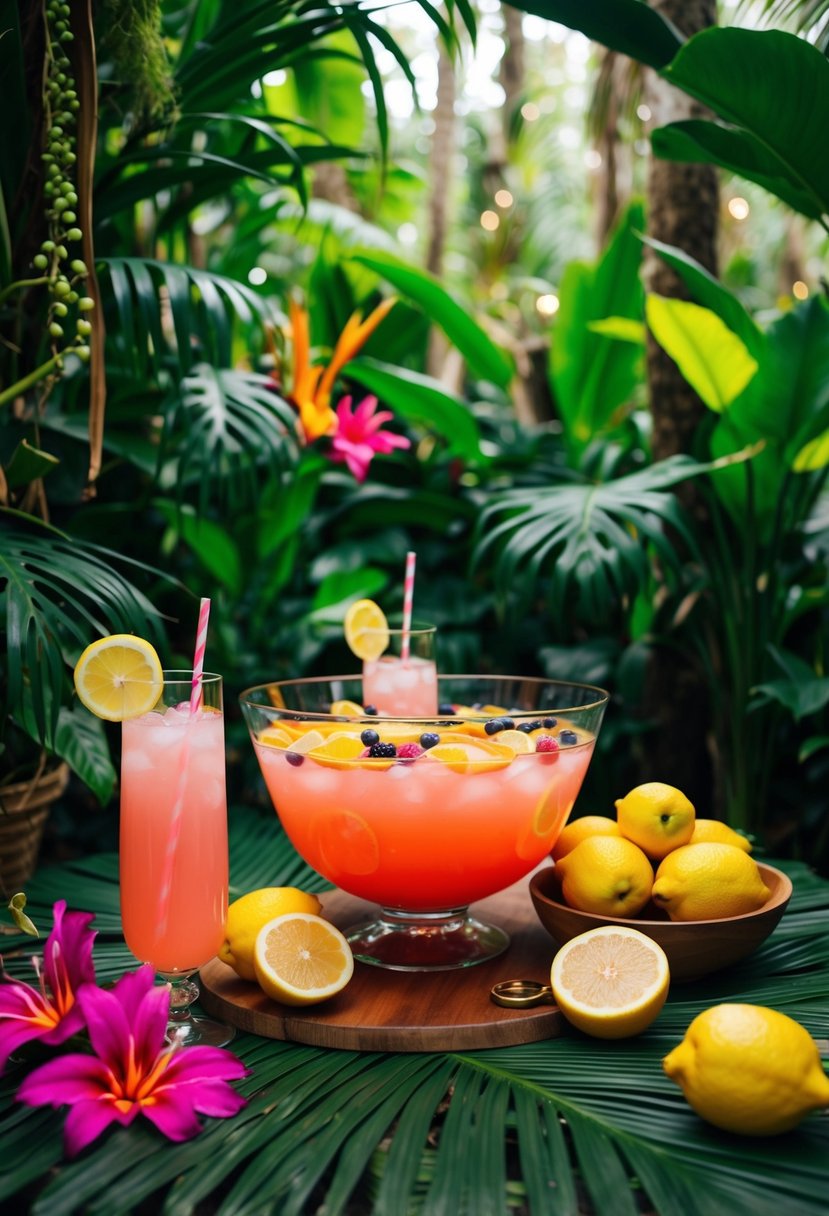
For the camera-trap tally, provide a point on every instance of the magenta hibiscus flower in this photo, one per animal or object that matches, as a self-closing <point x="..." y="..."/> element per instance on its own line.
<point x="50" y="1013"/>
<point x="134" y="1071"/>
<point x="358" y="437"/>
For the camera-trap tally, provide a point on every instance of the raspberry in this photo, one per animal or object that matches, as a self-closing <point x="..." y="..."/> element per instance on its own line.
<point x="382" y="751"/>
<point x="409" y="751"/>
<point x="546" y="743"/>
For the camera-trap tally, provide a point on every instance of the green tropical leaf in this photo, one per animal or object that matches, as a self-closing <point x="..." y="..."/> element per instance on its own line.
<point x="778" y="146"/>
<point x="553" y="1127"/>
<point x="623" y="329"/>
<point x="225" y="429"/>
<point x="483" y="356"/>
<point x="628" y="26"/>
<point x="59" y="594"/>
<point x="588" y="543"/>
<point x="714" y="361"/>
<point x="592" y="375"/>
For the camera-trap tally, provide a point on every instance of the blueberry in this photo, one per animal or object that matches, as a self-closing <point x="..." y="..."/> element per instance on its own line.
<point x="493" y="726"/>
<point x="446" y="708"/>
<point x="429" y="739"/>
<point x="382" y="751"/>
<point x="369" y="736"/>
<point x="567" y="736"/>
<point x="508" y="724"/>
<point x="526" y="727"/>
<point x="370" y="711"/>
<point x="549" y="723"/>
<point x="294" y="758"/>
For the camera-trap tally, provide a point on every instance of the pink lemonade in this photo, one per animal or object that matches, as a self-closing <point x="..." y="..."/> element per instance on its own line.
<point x="401" y="687"/>
<point x="155" y="749"/>
<point x="424" y="835"/>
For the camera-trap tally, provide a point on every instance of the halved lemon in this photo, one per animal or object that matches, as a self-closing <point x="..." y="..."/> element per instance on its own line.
<point x="610" y="982"/>
<point x="366" y="629"/>
<point x="301" y="959"/>
<point x="518" y="740"/>
<point x="119" y="677"/>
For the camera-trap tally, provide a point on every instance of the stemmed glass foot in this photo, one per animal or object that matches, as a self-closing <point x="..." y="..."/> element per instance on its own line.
<point x="425" y="941"/>
<point x="184" y="1027"/>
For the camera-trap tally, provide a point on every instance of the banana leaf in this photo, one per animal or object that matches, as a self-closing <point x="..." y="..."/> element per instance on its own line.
<point x="565" y="1126"/>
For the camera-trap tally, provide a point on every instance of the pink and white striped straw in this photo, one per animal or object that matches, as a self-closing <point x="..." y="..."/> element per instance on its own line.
<point x="184" y="765"/>
<point x="408" y="597"/>
<point x="198" y="656"/>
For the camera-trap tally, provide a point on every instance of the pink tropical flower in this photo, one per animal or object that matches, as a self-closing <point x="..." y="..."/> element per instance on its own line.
<point x="358" y="437"/>
<point x="134" y="1071"/>
<point x="50" y="1013"/>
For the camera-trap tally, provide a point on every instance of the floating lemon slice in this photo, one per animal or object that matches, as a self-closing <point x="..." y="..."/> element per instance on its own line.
<point x="520" y="742"/>
<point x="337" y="748"/>
<point x="119" y="677"/>
<point x="471" y="755"/>
<point x="275" y="736"/>
<point x="349" y="709"/>
<point x="301" y="959"/>
<point x="610" y="982"/>
<point x="366" y="630"/>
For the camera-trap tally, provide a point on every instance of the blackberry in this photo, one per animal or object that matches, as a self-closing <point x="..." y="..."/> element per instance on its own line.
<point x="493" y="726"/>
<point x="429" y="739"/>
<point x="369" y="736"/>
<point x="567" y="737"/>
<point x="382" y="751"/>
<point x="294" y="758"/>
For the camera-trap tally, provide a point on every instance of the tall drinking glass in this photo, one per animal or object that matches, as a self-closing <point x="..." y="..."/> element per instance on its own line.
<point x="173" y="849"/>
<point x="403" y="680"/>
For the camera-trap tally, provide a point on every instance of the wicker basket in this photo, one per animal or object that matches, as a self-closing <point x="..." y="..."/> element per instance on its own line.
<point x="24" y="807"/>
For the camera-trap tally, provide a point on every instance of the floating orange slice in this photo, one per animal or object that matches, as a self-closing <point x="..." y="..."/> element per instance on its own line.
<point x="337" y="748"/>
<point x="471" y="755"/>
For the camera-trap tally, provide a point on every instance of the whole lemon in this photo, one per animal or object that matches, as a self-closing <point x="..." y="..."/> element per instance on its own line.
<point x="749" y="1069"/>
<point x="657" y="817"/>
<point x="577" y="831"/>
<point x="607" y="875"/>
<point x="708" y="881"/>
<point x="246" y="916"/>
<point x="714" y="830"/>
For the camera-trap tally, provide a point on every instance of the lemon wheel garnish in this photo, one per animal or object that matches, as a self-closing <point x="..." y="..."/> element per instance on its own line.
<point x="610" y="982"/>
<point x="300" y="959"/>
<point x="366" y="629"/>
<point x="119" y="677"/>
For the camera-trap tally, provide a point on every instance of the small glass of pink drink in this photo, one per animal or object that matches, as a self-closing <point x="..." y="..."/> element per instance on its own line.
<point x="423" y="816"/>
<point x="173" y="847"/>
<point x="403" y="681"/>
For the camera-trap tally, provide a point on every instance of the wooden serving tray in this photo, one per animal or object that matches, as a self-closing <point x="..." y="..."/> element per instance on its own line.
<point x="385" y="1010"/>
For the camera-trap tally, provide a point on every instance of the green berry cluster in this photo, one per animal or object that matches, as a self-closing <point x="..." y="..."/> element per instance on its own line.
<point x="65" y="274"/>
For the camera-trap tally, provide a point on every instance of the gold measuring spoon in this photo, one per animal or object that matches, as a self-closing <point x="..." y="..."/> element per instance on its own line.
<point x="521" y="994"/>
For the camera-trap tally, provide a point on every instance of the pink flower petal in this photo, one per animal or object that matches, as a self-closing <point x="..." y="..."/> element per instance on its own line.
<point x="210" y="1063"/>
<point x="65" y="1079"/>
<point x="106" y="1020"/>
<point x="86" y="1121"/>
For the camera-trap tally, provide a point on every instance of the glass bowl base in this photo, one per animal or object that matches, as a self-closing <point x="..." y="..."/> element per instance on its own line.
<point x="425" y="941"/>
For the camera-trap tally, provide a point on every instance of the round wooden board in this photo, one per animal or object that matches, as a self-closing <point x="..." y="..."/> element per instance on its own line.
<point x="384" y="1010"/>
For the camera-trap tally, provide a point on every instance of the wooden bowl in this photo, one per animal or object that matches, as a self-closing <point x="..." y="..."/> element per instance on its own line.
<point x="694" y="947"/>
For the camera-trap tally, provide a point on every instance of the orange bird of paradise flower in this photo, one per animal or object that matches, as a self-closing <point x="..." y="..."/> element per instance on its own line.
<point x="313" y="384"/>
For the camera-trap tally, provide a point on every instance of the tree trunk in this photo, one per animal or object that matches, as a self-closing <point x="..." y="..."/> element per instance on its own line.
<point x="682" y="211"/>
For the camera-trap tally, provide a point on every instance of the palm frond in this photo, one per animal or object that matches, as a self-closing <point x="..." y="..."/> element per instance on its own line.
<point x="158" y="313"/>
<point x="590" y="540"/>
<point x="59" y="594"/>
<point x="570" y="1124"/>
<point x="224" y="431"/>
